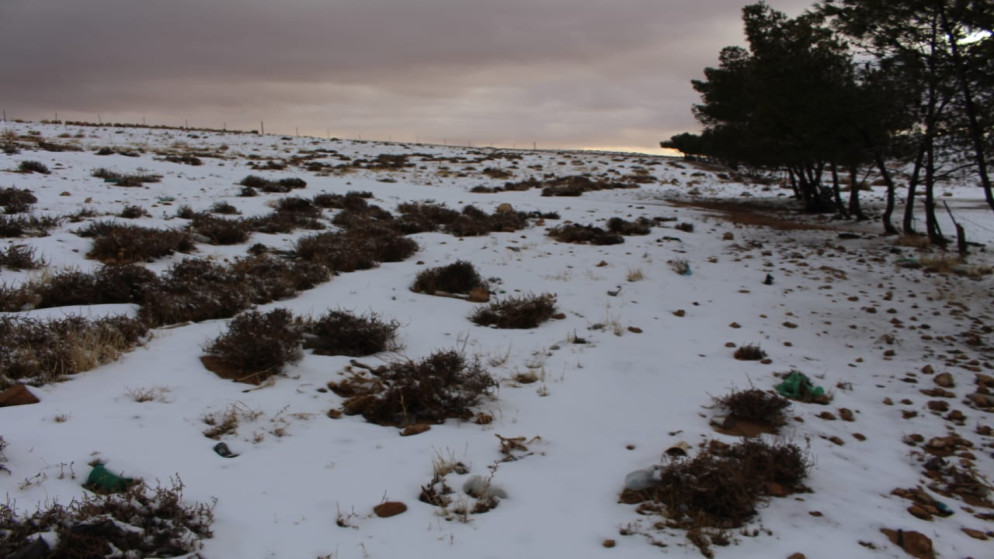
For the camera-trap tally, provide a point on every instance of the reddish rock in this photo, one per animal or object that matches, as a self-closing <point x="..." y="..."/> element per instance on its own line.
<point x="944" y="380"/>
<point x="389" y="508"/>
<point x="415" y="429"/>
<point x="913" y="543"/>
<point x="17" y="395"/>
<point x="479" y="295"/>
<point x="827" y="416"/>
<point x="919" y="512"/>
<point x="938" y="405"/>
<point x="975" y="534"/>
<point x="847" y="414"/>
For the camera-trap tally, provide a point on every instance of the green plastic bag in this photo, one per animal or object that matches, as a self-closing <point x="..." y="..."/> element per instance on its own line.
<point x="103" y="480"/>
<point x="797" y="386"/>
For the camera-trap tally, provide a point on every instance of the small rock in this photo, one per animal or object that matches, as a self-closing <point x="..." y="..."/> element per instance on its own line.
<point x="977" y="534"/>
<point x="859" y="436"/>
<point x="728" y="236"/>
<point x="919" y="512"/>
<point x="944" y="380"/>
<point x="837" y="441"/>
<point x="608" y="543"/>
<point x="981" y="400"/>
<point x="797" y="556"/>
<point x="415" y="429"/>
<point x="913" y="543"/>
<point x="938" y="405"/>
<point x="827" y="416"/>
<point x="735" y="325"/>
<point x="927" y="370"/>
<point x="847" y="414"/>
<point x="389" y="508"/>
<point x="17" y="395"/>
<point x="679" y="313"/>
<point x="479" y="295"/>
<point x="634" y="330"/>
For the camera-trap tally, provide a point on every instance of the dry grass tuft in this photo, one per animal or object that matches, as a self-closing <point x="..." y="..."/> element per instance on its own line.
<point x="755" y="405"/>
<point x="258" y="345"/>
<point x="527" y="311"/>
<point x="442" y="386"/>
<point x="458" y="277"/>
<point x="749" y="352"/>
<point x="343" y="333"/>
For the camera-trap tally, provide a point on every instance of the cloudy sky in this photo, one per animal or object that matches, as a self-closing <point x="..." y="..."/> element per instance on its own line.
<point x="556" y="73"/>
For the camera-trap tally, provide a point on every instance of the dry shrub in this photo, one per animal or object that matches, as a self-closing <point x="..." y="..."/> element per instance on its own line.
<point x="755" y="405"/>
<point x="913" y="241"/>
<point x="224" y="208"/>
<point x="360" y="248"/>
<point x="422" y="217"/>
<point x="526" y="311"/>
<point x="47" y="351"/>
<point x="619" y="226"/>
<point x="351" y="200"/>
<point x="16" y="200"/>
<point x="29" y="225"/>
<point x="584" y="234"/>
<point x="184" y="159"/>
<point x="749" y="352"/>
<point x="119" y="243"/>
<point x="111" y="284"/>
<point x="298" y="205"/>
<point x="195" y="289"/>
<point x="474" y="222"/>
<point x="33" y="167"/>
<point x="343" y="333"/>
<point x="441" y="386"/>
<point x="278" y="186"/>
<point x="221" y="231"/>
<point x="723" y="485"/>
<point x="133" y="212"/>
<point x="576" y="185"/>
<point x="140" y="522"/>
<point x="121" y="179"/>
<point x="258" y="344"/>
<point x="20" y="257"/>
<point x="458" y="277"/>
<point x="272" y="279"/>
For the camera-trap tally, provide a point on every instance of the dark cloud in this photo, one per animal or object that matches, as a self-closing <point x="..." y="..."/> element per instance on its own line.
<point x="557" y="72"/>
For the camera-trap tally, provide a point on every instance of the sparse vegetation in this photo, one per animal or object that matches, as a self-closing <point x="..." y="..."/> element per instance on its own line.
<point x="33" y="167"/>
<point x="140" y="522"/>
<point x="256" y="345"/>
<point x="16" y="200"/>
<point x="527" y="311"/>
<point x="343" y="333"/>
<point x="273" y="186"/>
<point x="47" y="351"/>
<point x="458" y="277"/>
<point x="20" y="257"/>
<point x="619" y="226"/>
<point x="121" y="179"/>
<point x="442" y="386"/>
<point x="584" y="234"/>
<point x="755" y="405"/>
<point x="121" y="243"/>
<point x="749" y="352"/>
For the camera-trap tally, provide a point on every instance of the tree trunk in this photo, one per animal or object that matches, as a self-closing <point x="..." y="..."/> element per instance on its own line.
<point x="837" y="192"/>
<point x="908" y="224"/>
<point x="974" y="127"/>
<point x="854" y="207"/>
<point x="931" y="223"/>
<point x="889" y="228"/>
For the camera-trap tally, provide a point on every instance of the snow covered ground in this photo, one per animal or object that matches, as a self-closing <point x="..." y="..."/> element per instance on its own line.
<point x="839" y="310"/>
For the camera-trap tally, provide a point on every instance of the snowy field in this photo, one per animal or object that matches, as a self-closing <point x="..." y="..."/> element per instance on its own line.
<point x="659" y="347"/>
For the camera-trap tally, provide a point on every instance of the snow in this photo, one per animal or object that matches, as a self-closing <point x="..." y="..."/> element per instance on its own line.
<point x="599" y="410"/>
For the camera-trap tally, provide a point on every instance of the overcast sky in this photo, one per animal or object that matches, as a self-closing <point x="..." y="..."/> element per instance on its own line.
<point x="559" y="73"/>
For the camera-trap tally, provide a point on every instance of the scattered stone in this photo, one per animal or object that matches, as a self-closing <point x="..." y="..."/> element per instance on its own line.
<point x="735" y="325"/>
<point x="789" y="325"/>
<point x="927" y="370"/>
<point x="609" y="543"/>
<point x="981" y="400"/>
<point x="479" y="295"/>
<point x="938" y="405"/>
<point x="728" y="236"/>
<point x="977" y="534"/>
<point x="17" y="395"/>
<point x="919" y="512"/>
<point x="956" y="416"/>
<point x="847" y="414"/>
<point x="679" y="313"/>
<point x="888" y="402"/>
<point x="945" y="380"/>
<point x="859" y="437"/>
<point x="827" y="416"/>
<point x="415" y="429"/>
<point x="913" y="543"/>
<point x="837" y="441"/>
<point x="335" y="413"/>
<point x="389" y="508"/>
<point x="634" y="329"/>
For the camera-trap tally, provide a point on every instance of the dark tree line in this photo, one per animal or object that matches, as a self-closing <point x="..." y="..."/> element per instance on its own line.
<point x="851" y="87"/>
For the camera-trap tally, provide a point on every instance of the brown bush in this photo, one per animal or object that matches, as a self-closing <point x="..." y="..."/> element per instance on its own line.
<point x="343" y="333"/>
<point x="141" y="522"/>
<point x="48" y="351"/>
<point x="583" y="234"/>
<point x="258" y="345"/>
<point x="723" y="485"/>
<point x="441" y="386"/>
<point x="16" y="200"/>
<point x="527" y="311"/>
<point x="221" y="231"/>
<point x="749" y="352"/>
<point x="755" y="405"/>
<point x="22" y="226"/>
<point x="33" y="167"/>
<point x="195" y="289"/>
<point x="618" y="226"/>
<point x="20" y="257"/>
<point x="458" y="277"/>
<point x="113" y="242"/>
<point x="224" y="208"/>
<point x="422" y="217"/>
<point x="133" y="212"/>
